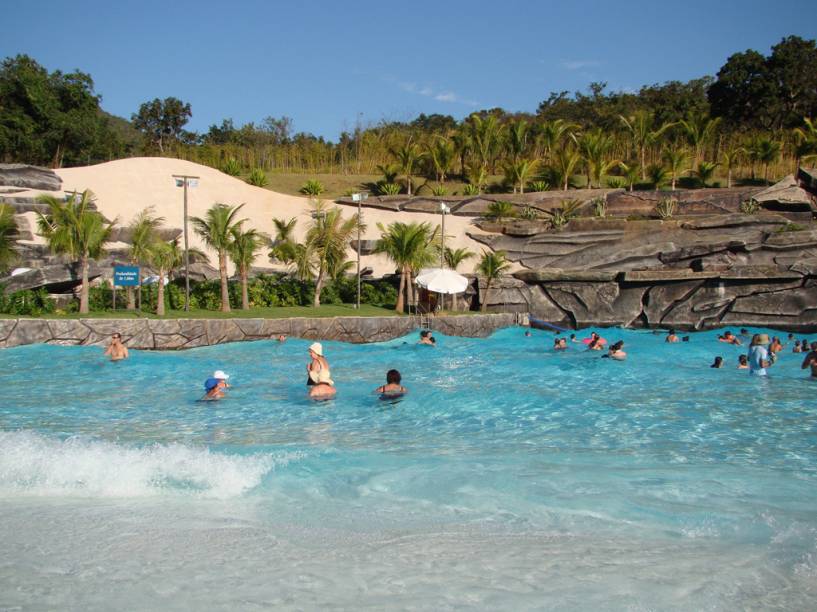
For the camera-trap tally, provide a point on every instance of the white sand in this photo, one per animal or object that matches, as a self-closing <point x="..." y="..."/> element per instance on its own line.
<point x="124" y="187"/>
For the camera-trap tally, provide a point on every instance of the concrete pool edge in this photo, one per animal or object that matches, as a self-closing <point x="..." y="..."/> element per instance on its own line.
<point x="175" y="334"/>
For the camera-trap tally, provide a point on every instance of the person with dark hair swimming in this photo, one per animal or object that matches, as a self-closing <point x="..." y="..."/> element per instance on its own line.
<point x="559" y="344"/>
<point x="811" y="360"/>
<point x="392" y="388"/>
<point x="743" y="362"/>
<point x="615" y="351"/>
<point x="718" y="363"/>
<point x="671" y="336"/>
<point x="116" y="349"/>
<point x="729" y="338"/>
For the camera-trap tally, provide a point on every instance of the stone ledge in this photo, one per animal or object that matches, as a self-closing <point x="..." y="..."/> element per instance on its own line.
<point x="173" y="334"/>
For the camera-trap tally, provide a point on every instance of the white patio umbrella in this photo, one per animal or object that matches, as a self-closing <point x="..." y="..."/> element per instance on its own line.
<point x="442" y="280"/>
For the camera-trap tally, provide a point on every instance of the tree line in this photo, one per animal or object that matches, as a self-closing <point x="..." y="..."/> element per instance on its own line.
<point x="73" y="227"/>
<point x="755" y="114"/>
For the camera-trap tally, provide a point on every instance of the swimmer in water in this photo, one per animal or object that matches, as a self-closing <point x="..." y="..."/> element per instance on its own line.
<point x="559" y="344"/>
<point x="743" y="362"/>
<point x="729" y="338"/>
<point x="616" y="352"/>
<point x="215" y="386"/>
<point x="392" y="388"/>
<point x="718" y="363"/>
<point x="671" y="337"/>
<point x="116" y="349"/>
<point x="811" y="360"/>
<point x="319" y="378"/>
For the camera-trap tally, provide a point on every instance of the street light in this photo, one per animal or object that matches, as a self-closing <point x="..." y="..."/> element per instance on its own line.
<point x="185" y="180"/>
<point x="359" y="198"/>
<point x="444" y="210"/>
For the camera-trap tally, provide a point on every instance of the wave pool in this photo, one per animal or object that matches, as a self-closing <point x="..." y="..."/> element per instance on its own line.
<point x="510" y="477"/>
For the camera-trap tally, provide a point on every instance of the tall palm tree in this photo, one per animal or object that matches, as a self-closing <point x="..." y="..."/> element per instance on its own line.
<point x="674" y="159"/>
<point x="766" y="151"/>
<point x="407" y="156"/>
<point x="484" y="134"/>
<point x="245" y="244"/>
<point x="517" y="139"/>
<point x="518" y="171"/>
<point x="74" y="227"/>
<point x="164" y="257"/>
<point x="441" y="154"/>
<point x="699" y="129"/>
<point x="326" y="242"/>
<point x="216" y="229"/>
<point x="551" y="135"/>
<point x="8" y="236"/>
<point x="730" y="158"/>
<point x="462" y="145"/>
<point x="491" y="266"/>
<point x="564" y="165"/>
<point x="143" y="230"/>
<point x="594" y="147"/>
<point x="640" y="125"/>
<point x="283" y="247"/>
<point x="410" y="247"/>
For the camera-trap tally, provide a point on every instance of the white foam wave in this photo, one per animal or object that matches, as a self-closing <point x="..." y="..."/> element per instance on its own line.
<point x="33" y="464"/>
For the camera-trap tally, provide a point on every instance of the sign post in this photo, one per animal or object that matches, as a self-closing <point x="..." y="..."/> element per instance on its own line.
<point x="124" y="276"/>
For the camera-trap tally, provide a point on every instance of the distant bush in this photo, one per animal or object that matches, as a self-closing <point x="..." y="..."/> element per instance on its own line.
<point x="665" y="209"/>
<point x="749" y="207"/>
<point x="388" y="188"/>
<point x="231" y="167"/>
<point x="313" y="187"/>
<point x="538" y="186"/>
<point x="529" y="213"/>
<point x="439" y="190"/>
<point x="258" y="178"/>
<point x="470" y="190"/>
<point x="500" y="210"/>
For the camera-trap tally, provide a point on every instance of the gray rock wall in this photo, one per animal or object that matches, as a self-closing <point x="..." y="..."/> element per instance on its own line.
<point x="167" y="334"/>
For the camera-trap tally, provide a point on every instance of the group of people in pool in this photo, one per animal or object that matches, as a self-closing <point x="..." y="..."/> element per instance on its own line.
<point x="594" y="342"/>
<point x="763" y="352"/>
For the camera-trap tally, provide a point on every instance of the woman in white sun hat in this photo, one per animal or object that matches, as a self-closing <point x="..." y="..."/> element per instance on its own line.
<point x="319" y="378"/>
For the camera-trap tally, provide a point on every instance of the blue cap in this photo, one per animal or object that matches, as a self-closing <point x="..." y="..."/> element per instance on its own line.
<point x="210" y="384"/>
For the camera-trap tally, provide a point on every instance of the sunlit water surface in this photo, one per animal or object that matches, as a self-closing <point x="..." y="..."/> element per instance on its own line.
<point x="510" y="477"/>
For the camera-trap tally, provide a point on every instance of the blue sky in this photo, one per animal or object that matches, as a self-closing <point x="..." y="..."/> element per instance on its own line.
<point x="328" y="64"/>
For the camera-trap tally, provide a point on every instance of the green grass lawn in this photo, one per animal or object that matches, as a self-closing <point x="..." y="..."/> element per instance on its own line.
<point x="282" y="312"/>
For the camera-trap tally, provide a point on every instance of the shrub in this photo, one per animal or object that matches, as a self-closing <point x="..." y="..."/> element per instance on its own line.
<point x="258" y="178"/>
<point x="666" y="208"/>
<point x="231" y="167"/>
<point x="312" y="187"/>
<point x="529" y="213"/>
<point x="439" y="190"/>
<point x="616" y="182"/>
<point x="535" y="186"/>
<point x="792" y="227"/>
<point x="500" y="210"/>
<point x="388" y="188"/>
<point x="470" y="190"/>
<point x="599" y="207"/>
<point x="27" y="303"/>
<point x="560" y="216"/>
<point x="749" y="207"/>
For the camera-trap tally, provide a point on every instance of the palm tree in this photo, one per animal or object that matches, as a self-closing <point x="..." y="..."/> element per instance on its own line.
<point x="304" y="263"/>
<point x="410" y="247"/>
<point x="517" y="138"/>
<point x="766" y="151"/>
<point x="551" y="135"/>
<point x="462" y="145"/>
<point x="283" y="247"/>
<point x="705" y="171"/>
<point x="8" y="236"/>
<point x="484" y="132"/>
<point x="454" y="257"/>
<point x="164" y="257"/>
<point x="441" y="154"/>
<point x="143" y="231"/>
<point x="313" y="188"/>
<point x="491" y="265"/>
<point x="675" y="160"/>
<point x="699" y="129"/>
<point x="499" y="210"/>
<point x="631" y="173"/>
<point x="74" y="228"/>
<point x="517" y="172"/>
<point x="658" y="175"/>
<point x="216" y="229"/>
<point x="595" y="148"/>
<point x="730" y="158"/>
<point x="245" y="244"/>
<point x="805" y="139"/>
<point x="407" y="155"/>
<point x="640" y="126"/>
<point x="564" y="165"/>
<point x="326" y="242"/>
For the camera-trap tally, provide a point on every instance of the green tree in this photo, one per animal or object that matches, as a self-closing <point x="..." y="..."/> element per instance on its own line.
<point x="631" y="174"/>
<point x="551" y="135"/>
<point x="407" y="156"/>
<point x="326" y="242"/>
<point x="704" y="172"/>
<point x="730" y="158"/>
<point x="805" y="141"/>
<point x="517" y="172"/>
<point x="162" y="121"/>
<point x="641" y="127"/>
<point x="491" y="266"/>
<point x="675" y="160"/>
<point x="8" y="236"/>
<point x="283" y="247"/>
<point x="766" y="151"/>
<point x="441" y="154"/>
<point x="143" y="231"/>
<point x="244" y="246"/>
<point x="216" y="230"/>
<point x="74" y="227"/>
<point x="454" y="257"/>
<point x="699" y="130"/>
<point x="164" y="257"/>
<point x="500" y="210"/>
<point x="564" y="165"/>
<point x="410" y="247"/>
<point x="313" y="188"/>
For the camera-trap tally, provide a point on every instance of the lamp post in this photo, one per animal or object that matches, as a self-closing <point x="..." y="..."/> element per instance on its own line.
<point x="359" y="198"/>
<point x="443" y="211"/>
<point x="185" y="180"/>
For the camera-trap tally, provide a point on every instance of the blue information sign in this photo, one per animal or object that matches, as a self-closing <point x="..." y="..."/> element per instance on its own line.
<point x="126" y="276"/>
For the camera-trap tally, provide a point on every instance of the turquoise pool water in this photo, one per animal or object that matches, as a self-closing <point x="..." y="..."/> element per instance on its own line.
<point x="510" y="477"/>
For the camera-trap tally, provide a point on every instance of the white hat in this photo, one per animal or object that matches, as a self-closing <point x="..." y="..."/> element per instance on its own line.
<point x="316" y="348"/>
<point x="220" y="375"/>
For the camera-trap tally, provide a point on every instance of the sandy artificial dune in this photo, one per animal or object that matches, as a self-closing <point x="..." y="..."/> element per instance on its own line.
<point x="124" y="187"/>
